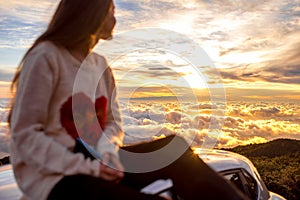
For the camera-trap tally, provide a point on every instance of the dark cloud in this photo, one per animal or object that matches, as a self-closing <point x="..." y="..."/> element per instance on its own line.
<point x="159" y="68"/>
<point x="277" y="73"/>
<point x="286" y="73"/>
<point x="250" y="44"/>
<point x="154" y="72"/>
<point x="232" y="74"/>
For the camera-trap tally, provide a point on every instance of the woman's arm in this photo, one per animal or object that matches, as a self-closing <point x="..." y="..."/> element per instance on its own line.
<point x="112" y="136"/>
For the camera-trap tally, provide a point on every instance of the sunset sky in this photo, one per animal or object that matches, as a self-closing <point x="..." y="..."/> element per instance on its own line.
<point x="253" y="46"/>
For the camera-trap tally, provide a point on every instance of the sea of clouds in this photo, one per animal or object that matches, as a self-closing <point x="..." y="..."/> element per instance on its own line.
<point x="243" y="122"/>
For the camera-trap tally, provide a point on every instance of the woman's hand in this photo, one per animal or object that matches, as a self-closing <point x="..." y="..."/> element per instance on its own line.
<point x="111" y="168"/>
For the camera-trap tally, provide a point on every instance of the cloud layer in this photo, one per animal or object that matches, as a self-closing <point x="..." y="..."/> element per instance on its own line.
<point x="244" y="123"/>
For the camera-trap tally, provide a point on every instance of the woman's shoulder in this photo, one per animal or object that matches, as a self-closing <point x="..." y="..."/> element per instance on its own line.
<point x="97" y="59"/>
<point x="97" y="56"/>
<point x="46" y="48"/>
<point x="44" y="53"/>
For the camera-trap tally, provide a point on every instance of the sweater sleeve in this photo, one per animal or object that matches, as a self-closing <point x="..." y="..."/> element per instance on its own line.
<point x="29" y="117"/>
<point x="112" y="136"/>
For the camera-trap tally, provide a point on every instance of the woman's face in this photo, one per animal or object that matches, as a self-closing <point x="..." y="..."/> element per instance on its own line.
<point x="105" y="31"/>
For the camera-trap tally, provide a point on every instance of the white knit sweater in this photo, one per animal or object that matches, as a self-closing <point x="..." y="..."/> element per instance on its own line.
<point x="41" y="149"/>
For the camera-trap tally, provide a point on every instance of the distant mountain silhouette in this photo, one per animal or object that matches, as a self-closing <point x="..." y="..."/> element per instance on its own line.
<point x="278" y="147"/>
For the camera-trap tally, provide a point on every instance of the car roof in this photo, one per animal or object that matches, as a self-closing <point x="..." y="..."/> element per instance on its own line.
<point x="221" y="160"/>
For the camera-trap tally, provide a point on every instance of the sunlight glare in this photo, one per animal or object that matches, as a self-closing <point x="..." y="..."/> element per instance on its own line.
<point x="179" y="23"/>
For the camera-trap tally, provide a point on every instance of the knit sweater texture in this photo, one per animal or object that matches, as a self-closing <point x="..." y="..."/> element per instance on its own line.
<point x="41" y="149"/>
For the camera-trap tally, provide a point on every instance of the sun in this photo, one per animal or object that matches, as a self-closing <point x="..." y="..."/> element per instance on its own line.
<point x="195" y="81"/>
<point x="179" y="23"/>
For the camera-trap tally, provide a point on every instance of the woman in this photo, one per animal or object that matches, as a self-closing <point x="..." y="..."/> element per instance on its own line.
<point x="43" y="142"/>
